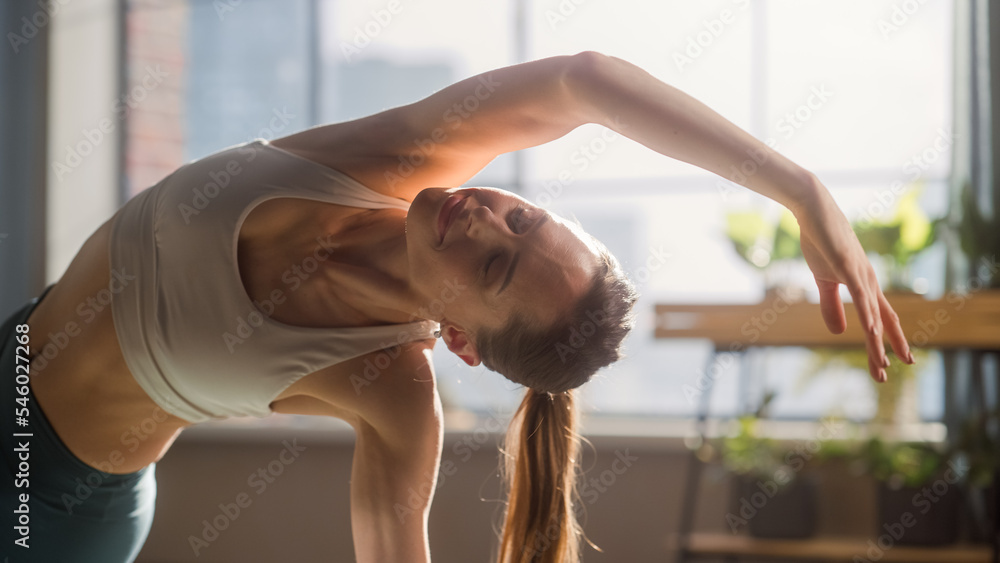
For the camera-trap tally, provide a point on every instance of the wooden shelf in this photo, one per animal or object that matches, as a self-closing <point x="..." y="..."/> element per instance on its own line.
<point x="832" y="549"/>
<point x="957" y="321"/>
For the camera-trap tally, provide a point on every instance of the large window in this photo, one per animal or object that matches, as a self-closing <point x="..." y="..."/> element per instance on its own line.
<point x="857" y="92"/>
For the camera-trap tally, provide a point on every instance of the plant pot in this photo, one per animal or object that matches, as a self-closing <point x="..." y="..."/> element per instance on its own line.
<point x="772" y="511"/>
<point x="920" y="515"/>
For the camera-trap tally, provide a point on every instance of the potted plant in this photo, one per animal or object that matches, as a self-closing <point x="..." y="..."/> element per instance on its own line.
<point x="919" y="492"/>
<point x="772" y="498"/>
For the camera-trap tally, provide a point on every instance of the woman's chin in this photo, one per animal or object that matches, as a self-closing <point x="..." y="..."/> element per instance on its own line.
<point x="421" y="212"/>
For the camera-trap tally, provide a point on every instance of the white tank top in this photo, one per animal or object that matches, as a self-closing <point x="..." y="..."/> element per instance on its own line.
<point x="189" y="332"/>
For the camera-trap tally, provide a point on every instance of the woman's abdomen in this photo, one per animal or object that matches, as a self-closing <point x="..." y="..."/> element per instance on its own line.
<point x="79" y="376"/>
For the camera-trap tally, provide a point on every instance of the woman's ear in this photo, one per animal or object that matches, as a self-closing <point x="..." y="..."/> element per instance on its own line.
<point x="459" y="342"/>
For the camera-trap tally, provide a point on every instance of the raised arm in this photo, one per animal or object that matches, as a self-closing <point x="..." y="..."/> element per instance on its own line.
<point x="446" y="138"/>
<point x="627" y="99"/>
<point x="634" y="103"/>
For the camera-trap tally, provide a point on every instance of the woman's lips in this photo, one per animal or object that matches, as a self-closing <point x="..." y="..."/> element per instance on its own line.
<point x="448" y="212"/>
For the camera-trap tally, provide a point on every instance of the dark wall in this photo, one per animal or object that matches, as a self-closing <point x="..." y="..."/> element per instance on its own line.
<point x="23" y="121"/>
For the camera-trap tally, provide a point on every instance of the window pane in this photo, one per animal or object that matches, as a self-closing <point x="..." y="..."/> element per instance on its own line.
<point x="846" y="91"/>
<point x="248" y="73"/>
<point x="689" y="46"/>
<point x="374" y="59"/>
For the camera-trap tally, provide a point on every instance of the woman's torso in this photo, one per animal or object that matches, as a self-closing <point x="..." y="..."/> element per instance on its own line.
<point x="86" y="389"/>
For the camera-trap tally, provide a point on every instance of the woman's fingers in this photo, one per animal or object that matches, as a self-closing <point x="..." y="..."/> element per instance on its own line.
<point x="893" y="330"/>
<point x="866" y="303"/>
<point x="875" y="314"/>
<point x="831" y="306"/>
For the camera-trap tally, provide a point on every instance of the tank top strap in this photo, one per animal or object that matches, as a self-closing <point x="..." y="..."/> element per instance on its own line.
<point x="361" y="341"/>
<point x="340" y="188"/>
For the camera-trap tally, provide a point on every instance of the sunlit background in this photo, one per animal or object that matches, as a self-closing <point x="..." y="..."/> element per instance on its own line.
<point x="884" y="101"/>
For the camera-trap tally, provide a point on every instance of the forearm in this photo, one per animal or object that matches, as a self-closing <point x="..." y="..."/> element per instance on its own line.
<point x="378" y="538"/>
<point x="388" y="521"/>
<point x="632" y="102"/>
<point x="393" y="477"/>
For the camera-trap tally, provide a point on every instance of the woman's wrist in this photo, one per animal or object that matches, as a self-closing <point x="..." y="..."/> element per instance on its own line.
<point x="808" y="195"/>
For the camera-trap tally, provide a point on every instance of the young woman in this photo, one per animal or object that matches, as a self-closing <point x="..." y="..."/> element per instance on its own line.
<point x="271" y="277"/>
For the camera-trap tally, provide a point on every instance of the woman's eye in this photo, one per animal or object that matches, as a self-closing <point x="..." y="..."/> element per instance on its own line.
<point x="489" y="262"/>
<point x="518" y="220"/>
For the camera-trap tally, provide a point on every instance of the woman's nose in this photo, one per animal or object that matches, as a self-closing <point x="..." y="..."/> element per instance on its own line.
<point x="482" y="223"/>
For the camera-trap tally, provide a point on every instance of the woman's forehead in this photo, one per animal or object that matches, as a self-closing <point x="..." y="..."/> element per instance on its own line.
<point x="557" y="269"/>
<point x="579" y="238"/>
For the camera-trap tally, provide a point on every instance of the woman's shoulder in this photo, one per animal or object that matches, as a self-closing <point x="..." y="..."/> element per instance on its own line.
<point x="389" y="389"/>
<point x="360" y="149"/>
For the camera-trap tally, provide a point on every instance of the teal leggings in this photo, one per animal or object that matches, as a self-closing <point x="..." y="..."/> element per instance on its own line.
<point x="74" y="513"/>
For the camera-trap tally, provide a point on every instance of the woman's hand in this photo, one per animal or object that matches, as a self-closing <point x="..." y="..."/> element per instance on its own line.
<point x="835" y="257"/>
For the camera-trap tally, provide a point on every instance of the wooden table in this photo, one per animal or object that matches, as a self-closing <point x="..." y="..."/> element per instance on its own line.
<point x="969" y="321"/>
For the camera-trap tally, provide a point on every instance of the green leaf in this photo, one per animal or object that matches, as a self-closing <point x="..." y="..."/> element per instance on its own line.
<point x="746" y="228"/>
<point x="915" y="228"/>
<point x="789" y="224"/>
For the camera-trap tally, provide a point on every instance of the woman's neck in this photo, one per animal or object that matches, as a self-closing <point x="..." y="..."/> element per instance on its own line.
<point x="371" y="266"/>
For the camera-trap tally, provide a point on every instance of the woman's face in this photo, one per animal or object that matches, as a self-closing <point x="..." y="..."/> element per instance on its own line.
<point x="479" y="255"/>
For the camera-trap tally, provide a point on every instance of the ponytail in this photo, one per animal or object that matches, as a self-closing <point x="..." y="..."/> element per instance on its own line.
<point x="541" y="451"/>
<point x="542" y="448"/>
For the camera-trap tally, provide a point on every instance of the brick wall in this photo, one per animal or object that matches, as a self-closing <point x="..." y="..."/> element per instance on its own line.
<point x="155" y="61"/>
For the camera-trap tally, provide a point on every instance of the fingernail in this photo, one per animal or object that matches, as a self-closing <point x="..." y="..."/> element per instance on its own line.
<point x="909" y="356"/>
<point x="881" y="375"/>
<point x="885" y="361"/>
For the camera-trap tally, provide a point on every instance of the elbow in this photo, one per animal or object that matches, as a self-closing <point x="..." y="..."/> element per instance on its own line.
<point x="585" y="66"/>
<point x="589" y="58"/>
<point x="586" y="78"/>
